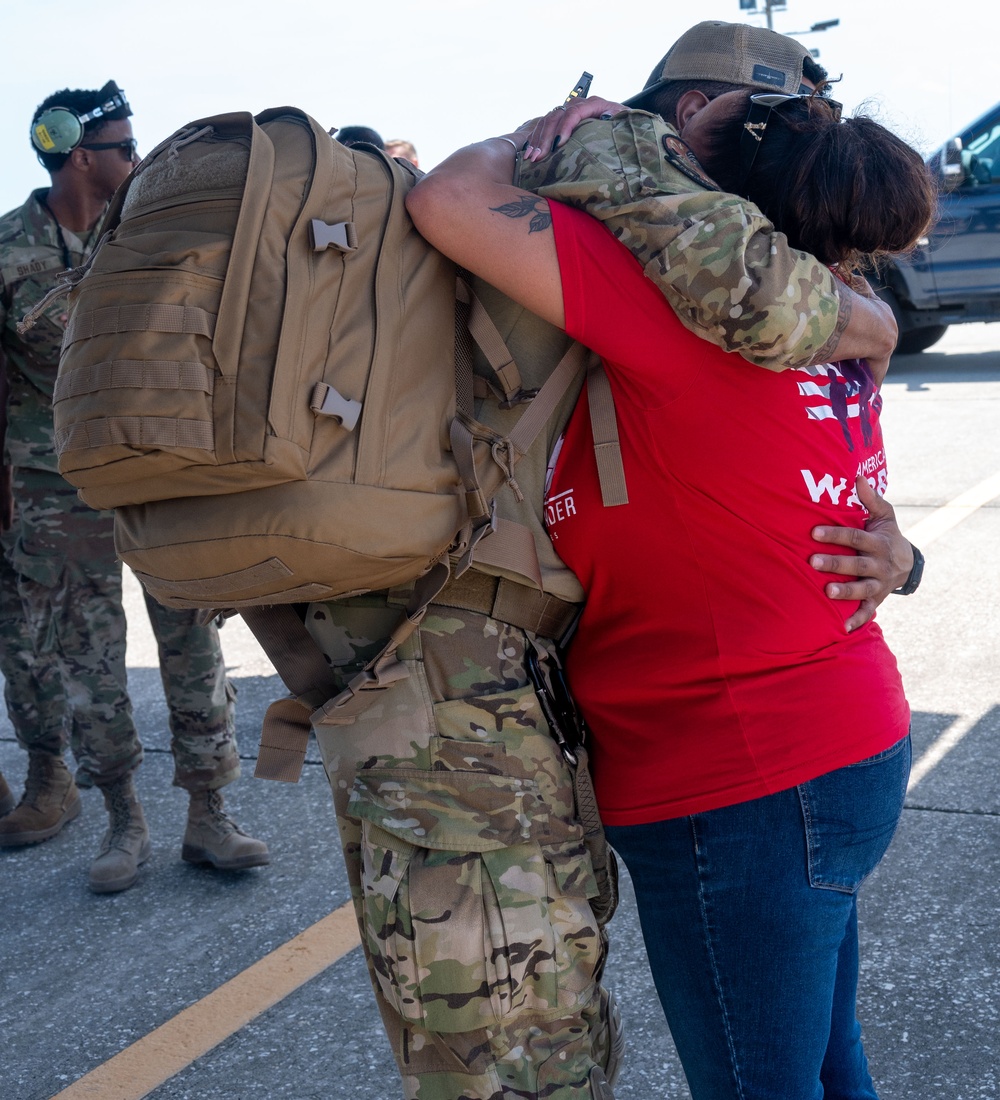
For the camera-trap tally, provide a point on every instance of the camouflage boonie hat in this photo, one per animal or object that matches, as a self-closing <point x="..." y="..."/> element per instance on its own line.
<point x="733" y="53"/>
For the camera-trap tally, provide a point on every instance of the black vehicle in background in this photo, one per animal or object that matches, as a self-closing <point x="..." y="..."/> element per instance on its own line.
<point x="954" y="274"/>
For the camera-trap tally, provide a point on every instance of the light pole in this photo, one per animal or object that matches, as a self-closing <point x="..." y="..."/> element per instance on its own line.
<point x="769" y="6"/>
<point x="824" y="26"/>
<point x="781" y="5"/>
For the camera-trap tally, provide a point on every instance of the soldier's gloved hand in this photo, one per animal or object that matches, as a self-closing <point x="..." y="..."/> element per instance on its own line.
<point x="561" y="121"/>
<point x="883" y="561"/>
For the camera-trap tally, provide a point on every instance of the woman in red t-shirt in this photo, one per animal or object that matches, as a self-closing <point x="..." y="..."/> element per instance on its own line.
<point x="750" y="753"/>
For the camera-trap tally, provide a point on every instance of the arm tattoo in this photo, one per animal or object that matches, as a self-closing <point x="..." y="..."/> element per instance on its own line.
<point x="538" y="209"/>
<point x="827" y="353"/>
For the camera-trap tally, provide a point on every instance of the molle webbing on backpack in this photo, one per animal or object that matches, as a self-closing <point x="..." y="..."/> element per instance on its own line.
<point x="481" y="328"/>
<point x="139" y="318"/>
<point x="147" y="374"/>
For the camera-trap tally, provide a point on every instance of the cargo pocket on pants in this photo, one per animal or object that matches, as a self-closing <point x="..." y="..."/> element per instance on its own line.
<point x="462" y="910"/>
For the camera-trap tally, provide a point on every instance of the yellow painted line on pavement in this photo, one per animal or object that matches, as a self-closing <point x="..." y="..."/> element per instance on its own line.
<point x="142" y="1067"/>
<point x="950" y="515"/>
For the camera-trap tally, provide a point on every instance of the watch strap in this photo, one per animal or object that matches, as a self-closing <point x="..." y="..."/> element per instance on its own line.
<point x="912" y="582"/>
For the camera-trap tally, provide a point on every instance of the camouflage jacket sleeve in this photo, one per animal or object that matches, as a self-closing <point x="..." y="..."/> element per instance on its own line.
<point x="727" y="273"/>
<point x="31" y="263"/>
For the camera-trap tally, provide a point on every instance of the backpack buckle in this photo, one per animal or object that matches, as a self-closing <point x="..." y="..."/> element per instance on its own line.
<point x="339" y="235"/>
<point x="326" y="401"/>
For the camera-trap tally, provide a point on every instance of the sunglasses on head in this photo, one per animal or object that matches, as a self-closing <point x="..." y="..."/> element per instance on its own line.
<point x="761" y="106"/>
<point x="130" y="145"/>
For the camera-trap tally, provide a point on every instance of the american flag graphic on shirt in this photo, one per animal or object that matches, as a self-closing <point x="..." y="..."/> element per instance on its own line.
<point x="840" y="391"/>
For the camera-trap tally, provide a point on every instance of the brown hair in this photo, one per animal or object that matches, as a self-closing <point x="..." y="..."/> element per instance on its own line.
<point x="847" y="191"/>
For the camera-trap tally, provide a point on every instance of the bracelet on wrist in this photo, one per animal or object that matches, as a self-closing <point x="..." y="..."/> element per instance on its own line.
<point x="912" y="582"/>
<point x="510" y="141"/>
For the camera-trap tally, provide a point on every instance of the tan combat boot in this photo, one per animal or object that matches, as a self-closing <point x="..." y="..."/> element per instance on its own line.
<point x="213" y="837"/>
<point x="49" y="801"/>
<point x="7" y="799"/>
<point x="125" y="846"/>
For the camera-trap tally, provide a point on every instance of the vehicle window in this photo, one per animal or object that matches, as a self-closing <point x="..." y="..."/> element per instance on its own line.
<point x="985" y="148"/>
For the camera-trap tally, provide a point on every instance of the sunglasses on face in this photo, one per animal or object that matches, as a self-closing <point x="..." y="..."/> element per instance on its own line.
<point x="130" y="146"/>
<point x="761" y="106"/>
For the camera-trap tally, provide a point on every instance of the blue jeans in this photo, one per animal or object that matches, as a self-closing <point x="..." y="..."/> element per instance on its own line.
<point x="749" y="914"/>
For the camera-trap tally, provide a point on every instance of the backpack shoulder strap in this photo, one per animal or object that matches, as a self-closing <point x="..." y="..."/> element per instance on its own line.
<point x="604" y="429"/>
<point x="511" y="545"/>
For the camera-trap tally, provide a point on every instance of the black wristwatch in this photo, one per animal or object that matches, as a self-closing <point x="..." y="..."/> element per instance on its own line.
<point x="912" y="582"/>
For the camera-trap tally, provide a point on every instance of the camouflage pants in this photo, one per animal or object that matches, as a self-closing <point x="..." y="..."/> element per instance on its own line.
<point x="32" y="690"/>
<point x="62" y="646"/>
<point x="469" y="874"/>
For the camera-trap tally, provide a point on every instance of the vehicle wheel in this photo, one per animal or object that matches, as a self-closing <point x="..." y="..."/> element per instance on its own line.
<point x="919" y="339"/>
<point x="911" y="340"/>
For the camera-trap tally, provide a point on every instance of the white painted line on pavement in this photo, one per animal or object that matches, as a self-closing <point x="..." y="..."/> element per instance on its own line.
<point x="951" y="514"/>
<point x="142" y="1067"/>
<point x="941" y="747"/>
<point x="922" y="534"/>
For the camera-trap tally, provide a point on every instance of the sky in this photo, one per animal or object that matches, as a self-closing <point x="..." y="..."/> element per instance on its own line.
<point x="443" y="73"/>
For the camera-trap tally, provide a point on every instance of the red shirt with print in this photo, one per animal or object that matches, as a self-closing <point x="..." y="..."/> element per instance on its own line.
<point x="709" y="663"/>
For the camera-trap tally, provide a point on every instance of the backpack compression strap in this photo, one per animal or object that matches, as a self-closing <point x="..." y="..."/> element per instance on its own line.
<point x="302" y="668"/>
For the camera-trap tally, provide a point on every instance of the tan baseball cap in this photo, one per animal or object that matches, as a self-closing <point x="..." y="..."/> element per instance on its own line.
<point x="735" y="53"/>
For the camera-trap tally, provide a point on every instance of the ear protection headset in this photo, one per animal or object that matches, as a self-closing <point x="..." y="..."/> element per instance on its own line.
<point x="60" y="129"/>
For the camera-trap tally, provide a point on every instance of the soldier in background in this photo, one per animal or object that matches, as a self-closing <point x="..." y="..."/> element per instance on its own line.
<point x="400" y="147"/>
<point x="62" y="631"/>
<point x="355" y="135"/>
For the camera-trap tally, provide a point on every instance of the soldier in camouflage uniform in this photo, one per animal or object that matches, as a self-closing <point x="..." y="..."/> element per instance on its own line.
<point x="62" y="637"/>
<point x="481" y="916"/>
<point x="452" y="795"/>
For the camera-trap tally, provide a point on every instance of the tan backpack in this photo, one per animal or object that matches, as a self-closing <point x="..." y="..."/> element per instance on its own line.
<point x="260" y="376"/>
<point x="259" y="373"/>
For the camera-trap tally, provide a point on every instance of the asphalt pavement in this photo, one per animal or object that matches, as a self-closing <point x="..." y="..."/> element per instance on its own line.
<point x="85" y="977"/>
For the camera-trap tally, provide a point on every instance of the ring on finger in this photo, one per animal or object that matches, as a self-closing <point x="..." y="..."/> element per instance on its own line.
<point x="561" y="107"/>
